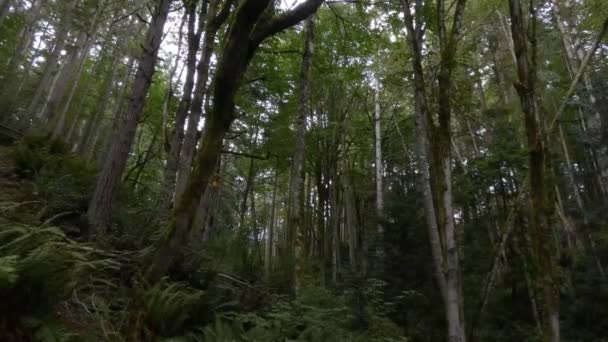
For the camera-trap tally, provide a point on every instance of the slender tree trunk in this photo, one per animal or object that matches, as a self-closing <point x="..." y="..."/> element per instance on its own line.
<point x="379" y="252"/>
<point x="526" y="64"/>
<point x="321" y="226"/>
<point x="243" y="232"/>
<point x="270" y="231"/>
<point x="75" y="79"/>
<point x="570" y="173"/>
<point x="83" y="45"/>
<point x="422" y="145"/>
<point x="102" y="139"/>
<point x="50" y="108"/>
<point x="25" y="41"/>
<point x="592" y="123"/>
<point x="170" y="171"/>
<point x="78" y="117"/>
<point x="109" y="180"/>
<point x="51" y="64"/>
<point x="295" y="227"/>
<point x="434" y="158"/>
<point x="188" y="146"/>
<point x="170" y="89"/>
<point x="350" y="219"/>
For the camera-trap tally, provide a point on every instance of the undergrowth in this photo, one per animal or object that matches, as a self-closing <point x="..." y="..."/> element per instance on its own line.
<point x="57" y="286"/>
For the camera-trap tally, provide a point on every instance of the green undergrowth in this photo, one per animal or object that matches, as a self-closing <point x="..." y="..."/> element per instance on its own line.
<point x="57" y="286"/>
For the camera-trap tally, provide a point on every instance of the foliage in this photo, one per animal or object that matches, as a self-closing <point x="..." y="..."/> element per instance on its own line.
<point x="41" y="268"/>
<point x="229" y="283"/>
<point x="60" y="180"/>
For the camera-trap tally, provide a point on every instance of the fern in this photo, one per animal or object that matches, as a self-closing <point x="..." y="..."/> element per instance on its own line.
<point x="8" y="271"/>
<point x="39" y="268"/>
<point x="168" y="306"/>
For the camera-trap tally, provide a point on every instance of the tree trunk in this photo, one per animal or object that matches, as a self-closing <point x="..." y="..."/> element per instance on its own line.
<point x="58" y="131"/>
<point x="98" y="141"/>
<point x="71" y="137"/>
<point x="295" y="227"/>
<point x="243" y="232"/>
<point x="379" y="252"/>
<point x="188" y="146"/>
<point x="25" y="42"/>
<point x="270" y="231"/>
<point x="109" y="178"/>
<point x="170" y="171"/>
<point x="593" y="120"/>
<point x="526" y="64"/>
<point x="350" y="219"/>
<point x="434" y="159"/>
<point x="50" y="108"/>
<point x="51" y="64"/>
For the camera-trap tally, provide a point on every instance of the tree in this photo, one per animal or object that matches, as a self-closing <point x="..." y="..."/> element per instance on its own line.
<point x="525" y="51"/>
<point x="109" y="179"/>
<point x="247" y="31"/>
<point x="295" y="224"/>
<point x="434" y="156"/>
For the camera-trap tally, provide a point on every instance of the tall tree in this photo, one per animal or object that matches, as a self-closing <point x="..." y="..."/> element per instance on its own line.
<point x="109" y="179"/>
<point x="250" y="27"/>
<point x="194" y="38"/>
<point x="295" y="224"/>
<point x="433" y="144"/>
<point x="188" y="144"/>
<point x="379" y="168"/>
<point x="524" y="40"/>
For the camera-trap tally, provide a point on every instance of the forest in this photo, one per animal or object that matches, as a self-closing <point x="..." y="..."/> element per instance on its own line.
<point x="304" y="170"/>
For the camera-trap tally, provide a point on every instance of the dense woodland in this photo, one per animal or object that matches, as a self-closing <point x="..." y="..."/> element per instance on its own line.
<point x="350" y="170"/>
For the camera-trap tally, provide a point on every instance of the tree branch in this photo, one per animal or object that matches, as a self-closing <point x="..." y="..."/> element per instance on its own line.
<point x="579" y="74"/>
<point x="285" y="20"/>
<point x="242" y="154"/>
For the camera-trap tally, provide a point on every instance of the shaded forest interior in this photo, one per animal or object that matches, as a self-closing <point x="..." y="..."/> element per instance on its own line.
<point x="312" y="170"/>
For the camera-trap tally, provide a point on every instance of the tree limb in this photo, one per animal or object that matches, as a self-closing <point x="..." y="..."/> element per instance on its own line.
<point x="285" y="20"/>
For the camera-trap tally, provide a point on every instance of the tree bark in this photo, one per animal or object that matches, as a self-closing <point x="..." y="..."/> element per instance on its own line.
<point x="109" y="179"/>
